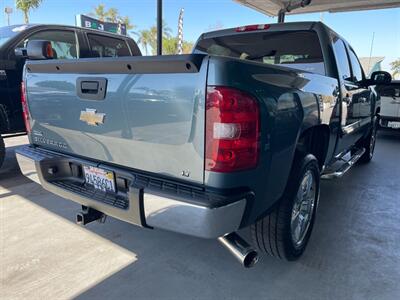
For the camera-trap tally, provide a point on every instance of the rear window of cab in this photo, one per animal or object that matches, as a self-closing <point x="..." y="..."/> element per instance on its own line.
<point x="296" y="49"/>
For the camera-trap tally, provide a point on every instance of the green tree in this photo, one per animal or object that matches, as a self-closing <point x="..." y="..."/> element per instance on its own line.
<point x="129" y="26"/>
<point x="187" y="47"/>
<point x="112" y="15"/>
<point x="167" y="33"/>
<point x="144" y="39"/>
<point x="26" y="5"/>
<point x="99" y="12"/>
<point x="148" y="40"/>
<point x="395" y="66"/>
<point x="170" y="45"/>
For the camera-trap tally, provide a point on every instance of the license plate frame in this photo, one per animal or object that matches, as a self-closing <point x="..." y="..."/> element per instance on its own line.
<point x="100" y="179"/>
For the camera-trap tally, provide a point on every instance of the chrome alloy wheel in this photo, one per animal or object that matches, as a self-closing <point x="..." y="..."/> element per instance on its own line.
<point x="303" y="209"/>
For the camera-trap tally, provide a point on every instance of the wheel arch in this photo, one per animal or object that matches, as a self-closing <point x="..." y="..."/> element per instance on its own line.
<point x="315" y="140"/>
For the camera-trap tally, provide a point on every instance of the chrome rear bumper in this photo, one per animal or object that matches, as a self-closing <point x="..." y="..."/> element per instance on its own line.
<point x="145" y="206"/>
<point x="28" y="167"/>
<point x="180" y="216"/>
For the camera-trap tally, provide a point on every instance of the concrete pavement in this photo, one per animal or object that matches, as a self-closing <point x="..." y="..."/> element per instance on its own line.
<point x="353" y="252"/>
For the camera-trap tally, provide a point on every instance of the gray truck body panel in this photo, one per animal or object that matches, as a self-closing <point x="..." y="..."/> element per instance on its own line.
<point x="153" y="122"/>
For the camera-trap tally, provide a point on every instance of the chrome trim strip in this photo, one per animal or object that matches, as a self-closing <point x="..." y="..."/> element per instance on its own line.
<point x="350" y="128"/>
<point x="127" y="215"/>
<point x="172" y="213"/>
<point x="345" y="167"/>
<point x="191" y="219"/>
<point x="27" y="167"/>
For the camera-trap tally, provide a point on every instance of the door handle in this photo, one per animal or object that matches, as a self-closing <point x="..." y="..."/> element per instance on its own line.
<point x="91" y="88"/>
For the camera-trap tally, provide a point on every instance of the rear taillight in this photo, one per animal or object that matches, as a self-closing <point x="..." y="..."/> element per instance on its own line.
<point x="232" y="130"/>
<point x="25" y="108"/>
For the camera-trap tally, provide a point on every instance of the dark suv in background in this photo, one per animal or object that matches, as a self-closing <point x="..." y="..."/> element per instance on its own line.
<point x="68" y="42"/>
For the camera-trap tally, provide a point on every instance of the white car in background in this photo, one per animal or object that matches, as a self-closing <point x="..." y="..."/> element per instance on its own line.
<point x="390" y="104"/>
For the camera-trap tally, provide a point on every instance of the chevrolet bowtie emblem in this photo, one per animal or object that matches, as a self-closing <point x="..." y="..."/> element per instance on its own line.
<point x="91" y="117"/>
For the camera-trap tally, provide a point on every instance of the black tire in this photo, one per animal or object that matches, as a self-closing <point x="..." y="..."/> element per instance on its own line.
<point x="369" y="143"/>
<point x="273" y="234"/>
<point x="2" y="151"/>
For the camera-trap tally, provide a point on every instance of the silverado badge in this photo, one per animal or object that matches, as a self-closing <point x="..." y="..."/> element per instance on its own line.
<point x="91" y="117"/>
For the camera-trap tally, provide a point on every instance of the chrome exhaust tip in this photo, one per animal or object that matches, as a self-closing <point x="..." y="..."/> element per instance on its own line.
<point x="240" y="249"/>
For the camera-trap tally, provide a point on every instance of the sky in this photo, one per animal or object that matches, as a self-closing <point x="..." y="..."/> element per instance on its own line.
<point x="205" y="15"/>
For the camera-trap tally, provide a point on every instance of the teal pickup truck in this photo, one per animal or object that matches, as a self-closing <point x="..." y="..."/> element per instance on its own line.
<point x="236" y="134"/>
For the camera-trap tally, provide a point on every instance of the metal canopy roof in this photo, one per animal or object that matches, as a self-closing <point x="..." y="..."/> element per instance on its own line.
<point x="272" y="7"/>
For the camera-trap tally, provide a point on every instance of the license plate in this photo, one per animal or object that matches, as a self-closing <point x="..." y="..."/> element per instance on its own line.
<point x="100" y="179"/>
<point x="395" y="125"/>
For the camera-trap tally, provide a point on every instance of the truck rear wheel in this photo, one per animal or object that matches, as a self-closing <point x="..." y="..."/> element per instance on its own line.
<point x="2" y="151"/>
<point x="285" y="232"/>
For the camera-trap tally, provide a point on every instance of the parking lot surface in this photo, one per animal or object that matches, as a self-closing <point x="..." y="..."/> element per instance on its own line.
<point x="353" y="252"/>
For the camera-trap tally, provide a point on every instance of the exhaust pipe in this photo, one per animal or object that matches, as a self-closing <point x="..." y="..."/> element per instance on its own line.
<point x="240" y="249"/>
<point x="89" y="215"/>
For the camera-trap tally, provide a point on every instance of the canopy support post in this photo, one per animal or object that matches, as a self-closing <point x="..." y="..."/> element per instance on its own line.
<point x="159" y="27"/>
<point x="281" y="15"/>
<point x="291" y="6"/>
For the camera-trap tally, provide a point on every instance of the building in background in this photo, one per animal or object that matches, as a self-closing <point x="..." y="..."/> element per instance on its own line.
<point x="371" y="64"/>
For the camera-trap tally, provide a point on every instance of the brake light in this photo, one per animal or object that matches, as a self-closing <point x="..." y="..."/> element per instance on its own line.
<point x="232" y="130"/>
<point x="25" y="108"/>
<point x="253" y="27"/>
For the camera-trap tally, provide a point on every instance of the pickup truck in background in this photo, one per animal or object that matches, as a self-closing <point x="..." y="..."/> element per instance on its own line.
<point x="68" y="42"/>
<point x="390" y="104"/>
<point x="236" y="134"/>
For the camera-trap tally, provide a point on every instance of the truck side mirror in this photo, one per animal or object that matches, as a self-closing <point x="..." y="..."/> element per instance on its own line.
<point x="380" y="77"/>
<point x="39" y="49"/>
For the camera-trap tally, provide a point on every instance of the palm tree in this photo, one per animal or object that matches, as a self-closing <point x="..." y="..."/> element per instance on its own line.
<point x="112" y="15"/>
<point x="144" y="39"/>
<point x="170" y="45"/>
<point x="127" y="21"/>
<point x="167" y="33"/>
<point x="187" y="47"/>
<point x="26" y="5"/>
<point x="100" y="12"/>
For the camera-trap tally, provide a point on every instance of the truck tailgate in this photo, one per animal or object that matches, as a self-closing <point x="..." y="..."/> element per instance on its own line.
<point x="150" y="118"/>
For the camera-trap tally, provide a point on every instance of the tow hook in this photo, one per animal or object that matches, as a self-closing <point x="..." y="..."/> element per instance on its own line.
<point x="88" y="215"/>
<point x="240" y="249"/>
